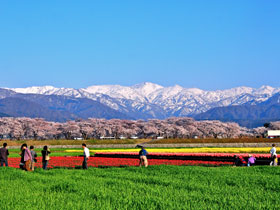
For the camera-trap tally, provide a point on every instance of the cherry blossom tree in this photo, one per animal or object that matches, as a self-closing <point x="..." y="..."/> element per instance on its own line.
<point x="22" y="128"/>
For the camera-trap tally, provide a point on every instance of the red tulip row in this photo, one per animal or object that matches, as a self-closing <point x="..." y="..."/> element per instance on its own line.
<point x="72" y="162"/>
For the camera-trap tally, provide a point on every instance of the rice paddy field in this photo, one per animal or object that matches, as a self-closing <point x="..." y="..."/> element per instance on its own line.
<point x="155" y="187"/>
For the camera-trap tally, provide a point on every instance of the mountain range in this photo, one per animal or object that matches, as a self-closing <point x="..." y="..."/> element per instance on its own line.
<point x="143" y="101"/>
<point x="246" y="115"/>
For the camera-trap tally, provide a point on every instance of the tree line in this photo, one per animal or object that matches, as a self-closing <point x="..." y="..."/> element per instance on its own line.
<point x="30" y="128"/>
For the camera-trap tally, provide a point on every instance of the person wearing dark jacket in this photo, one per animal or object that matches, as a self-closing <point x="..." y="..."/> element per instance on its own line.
<point x="34" y="155"/>
<point x="45" y="157"/>
<point x="22" y="152"/>
<point x="4" y="153"/>
<point x="143" y="157"/>
<point x="239" y="160"/>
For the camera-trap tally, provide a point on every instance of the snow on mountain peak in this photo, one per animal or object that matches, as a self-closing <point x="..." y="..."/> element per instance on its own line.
<point x="238" y="91"/>
<point x="116" y="91"/>
<point x="104" y="89"/>
<point x="35" y="89"/>
<point x="265" y="89"/>
<point x="146" y="88"/>
<point x="146" y="84"/>
<point x="195" y="91"/>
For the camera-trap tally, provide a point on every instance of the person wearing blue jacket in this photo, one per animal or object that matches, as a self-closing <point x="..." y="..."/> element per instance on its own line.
<point x="143" y="157"/>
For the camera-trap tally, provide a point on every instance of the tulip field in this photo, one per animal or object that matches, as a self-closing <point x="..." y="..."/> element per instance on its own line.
<point x="76" y="162"/>
<point x="182" y="178"/>
<point x="71" y="158"/>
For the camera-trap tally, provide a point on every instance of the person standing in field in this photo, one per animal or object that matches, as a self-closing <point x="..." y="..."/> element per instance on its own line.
<point x="273" y="155"/>
<point x="143" y="157"/>
<point x="86" y="156"/>
<point x="34" y="155"/>
<point x="22" y="151"/>
<point x="4" y="153"/>
<point x="45" y="157"/>
<point x="26" y="158"/>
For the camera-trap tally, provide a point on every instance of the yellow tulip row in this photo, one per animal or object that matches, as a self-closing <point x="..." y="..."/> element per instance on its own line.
<point x="189" y="150"/>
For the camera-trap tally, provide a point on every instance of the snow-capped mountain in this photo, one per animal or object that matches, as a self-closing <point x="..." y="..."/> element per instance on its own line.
<point x="155" y="101"/>
<point x="49" y="90"/>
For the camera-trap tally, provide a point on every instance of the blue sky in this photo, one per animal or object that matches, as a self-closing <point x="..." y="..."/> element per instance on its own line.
<point x="205" y="44"/>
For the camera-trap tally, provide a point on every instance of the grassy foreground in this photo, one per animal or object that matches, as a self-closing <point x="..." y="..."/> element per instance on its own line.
<point x="156" y="187"/>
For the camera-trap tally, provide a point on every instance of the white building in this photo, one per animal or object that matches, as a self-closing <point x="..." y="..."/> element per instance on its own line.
<point x="107" y="137"/>
<point x="272" y="134"/>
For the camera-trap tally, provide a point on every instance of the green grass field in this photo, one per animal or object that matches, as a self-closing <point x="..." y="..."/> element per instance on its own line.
<point x="54" y="152"/>
<point x="136" y="141"/>
<point x="155" y="187"/>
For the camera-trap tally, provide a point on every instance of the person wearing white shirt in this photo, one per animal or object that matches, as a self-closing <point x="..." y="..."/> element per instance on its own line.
<point x="273" y="155"/>
<point x="86" y="156"/>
